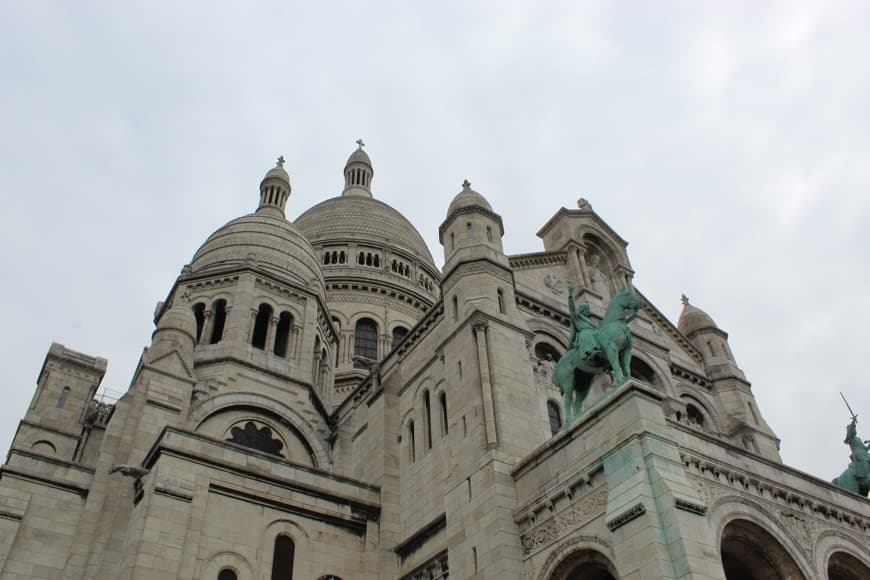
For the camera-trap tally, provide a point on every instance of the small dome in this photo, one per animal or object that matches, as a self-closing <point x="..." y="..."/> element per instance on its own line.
<point x="278" y="172"/>
<point x="359" y="156"/>
<point x="468" y="198"/>
<point x="264" y="240"/>
<point x="178" y="317"/>
<point x="693" y="319"/>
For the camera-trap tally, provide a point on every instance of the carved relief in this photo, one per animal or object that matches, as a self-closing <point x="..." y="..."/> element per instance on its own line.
<point x="555" y="285"/>
<point x="580" y="512"/>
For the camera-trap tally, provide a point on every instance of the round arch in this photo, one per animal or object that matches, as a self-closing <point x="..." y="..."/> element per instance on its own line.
<point x="226" y="561"/>
<point x="581" y="543"/>
<point x="749" y="552"/>
<point x="754" y="538"/>
<point x="302" y="565"/>
<point x="839" y="553"/>
<point x="584" y="564"/>
<point x="286" y="416"/>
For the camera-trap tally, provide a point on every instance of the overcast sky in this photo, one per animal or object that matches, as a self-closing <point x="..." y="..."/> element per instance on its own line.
<point x="728" y="143"/>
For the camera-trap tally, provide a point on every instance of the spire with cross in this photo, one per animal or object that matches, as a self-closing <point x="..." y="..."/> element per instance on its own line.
<point x="360" y="143"/>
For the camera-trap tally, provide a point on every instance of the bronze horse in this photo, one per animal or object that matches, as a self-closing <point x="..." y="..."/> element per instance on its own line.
<point x="607" y="347"/>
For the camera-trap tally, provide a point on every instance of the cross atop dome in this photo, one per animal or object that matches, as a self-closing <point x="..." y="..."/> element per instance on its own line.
<point x="466" y="184"/>
<point x="360" y="143"/>
<point x="684" y="299"/>
<point x="280" y="161"/>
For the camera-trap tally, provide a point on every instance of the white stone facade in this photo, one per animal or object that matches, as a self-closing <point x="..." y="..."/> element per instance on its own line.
<point x="319" y="401"/>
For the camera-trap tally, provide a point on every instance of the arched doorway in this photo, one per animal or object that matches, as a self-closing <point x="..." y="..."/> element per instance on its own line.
<point x="843" y="566"/>
<point x="751" y="553"/>
<point x="584" y="565"/>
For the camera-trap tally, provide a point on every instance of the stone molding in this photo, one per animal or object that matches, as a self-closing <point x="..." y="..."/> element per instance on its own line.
<point x="537" y="260"/>
<point x="716" y="481"/>
<point x="571" y="545"/>
<point x="479" y="266"/>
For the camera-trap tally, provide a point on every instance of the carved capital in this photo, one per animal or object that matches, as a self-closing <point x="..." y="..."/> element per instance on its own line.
<point x="479" y="326"/>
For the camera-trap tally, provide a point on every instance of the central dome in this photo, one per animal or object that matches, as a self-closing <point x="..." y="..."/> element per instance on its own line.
<point x="362" y="219"/>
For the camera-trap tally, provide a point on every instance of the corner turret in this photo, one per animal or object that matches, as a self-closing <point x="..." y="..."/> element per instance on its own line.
<point x="746" y="427"/>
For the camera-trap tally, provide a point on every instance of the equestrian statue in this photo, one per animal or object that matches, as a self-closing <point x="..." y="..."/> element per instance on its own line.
<point x="856" y="478"/>
<point x="594" y="350"/>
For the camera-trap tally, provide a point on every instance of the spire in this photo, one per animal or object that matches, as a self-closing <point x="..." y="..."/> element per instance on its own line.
<point x="358" y="173"/>
<point x="275" y="190"/>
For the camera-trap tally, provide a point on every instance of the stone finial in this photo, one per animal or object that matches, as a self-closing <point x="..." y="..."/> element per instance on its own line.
<point x="466" y="184"/>
<point x="360" y="143"/>
<point x="684" y="299"/>
<point x="583" y="203"/>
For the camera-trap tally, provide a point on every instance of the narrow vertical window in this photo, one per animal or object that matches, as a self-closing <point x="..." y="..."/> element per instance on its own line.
<point x="412" y="442"/>
<point x="199" y="316"/>
<point x="282" y="334"/>
<point x="61" y="400"/>
<point x="452" y="241"/>
<point x="500" y="296"/>
<point x="261" y="326"/>
<point x="469" y="231"/>
<point x="282" y="559"/>
<point x="554" y="416"/>
<point x="399" y="334"/>
<point x="427" y="408"/>
<point x="488" y="234"/>
<point x="459" y="366"/>
<point x="455" y="308"/>
<point x="474" y="557"/>
<point x="365" y="341"/>
<point x="442" y="400"/>
<point x="219" y="311"/>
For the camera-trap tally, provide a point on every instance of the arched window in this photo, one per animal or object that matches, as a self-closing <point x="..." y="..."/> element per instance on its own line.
<point x="282" y="558"/>
<point x="555" y="417"/>
<point x="365" y="341"/>
<point x="399" y="333"/>
<point x="427" y="409"/>
<point x="61" y="400"/>
<point x="442" y="402"/>
<point x="544" y="351"/>
<point x="412" y="442"/>
<point x="199" y="316"/>
<point x="694" y="415"/>
<point x="219" y="320"/>
<point x="227" y="574"/>
<point x="469" y="231"/>
<point x="500" y="296"/>
<point x="341" y="257"/>
<point x="261" y="326"/>
<point x="644" y="372"/>
<point x="282" y="334"/>
<point x="361" y="259"/>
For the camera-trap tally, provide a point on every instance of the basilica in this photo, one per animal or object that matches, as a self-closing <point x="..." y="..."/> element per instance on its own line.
<point x="320" y="401"/>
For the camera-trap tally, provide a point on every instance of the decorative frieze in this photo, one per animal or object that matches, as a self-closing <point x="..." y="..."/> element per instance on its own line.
<point x="578" y="513"/>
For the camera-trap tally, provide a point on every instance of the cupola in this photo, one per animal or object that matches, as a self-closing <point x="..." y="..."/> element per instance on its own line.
<point x="358" y="173"/>
<point x="274" y="190"/>
<point x="471" y="230"/>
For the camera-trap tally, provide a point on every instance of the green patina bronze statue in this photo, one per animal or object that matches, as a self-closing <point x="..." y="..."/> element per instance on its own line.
<point x="594" y="350"/>
<point x="856" y="478"/>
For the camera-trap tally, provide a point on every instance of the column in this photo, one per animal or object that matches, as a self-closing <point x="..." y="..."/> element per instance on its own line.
<point x="479" y="328"/>
<point x="207" y="326"/>
<point x="270" y="334"/>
